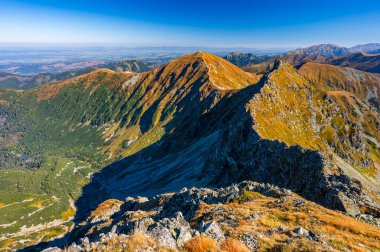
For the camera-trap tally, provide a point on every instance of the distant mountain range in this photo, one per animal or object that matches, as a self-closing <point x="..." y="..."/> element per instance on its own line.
<point x="331" y="50"/>
<point x="358" y="57"/>
<point x="72" y="151"/>
<point x="9" y="80"/>
<point x="325" y="50"/>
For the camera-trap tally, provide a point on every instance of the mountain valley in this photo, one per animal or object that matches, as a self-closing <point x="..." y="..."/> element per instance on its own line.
<point x="72" y="151"/>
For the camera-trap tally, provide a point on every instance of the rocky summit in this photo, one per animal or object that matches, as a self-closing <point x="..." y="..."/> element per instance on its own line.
<point x="195" y="155"/>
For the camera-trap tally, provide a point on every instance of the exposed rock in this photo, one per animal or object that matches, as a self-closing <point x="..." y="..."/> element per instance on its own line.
<point x="301" y="232"/>
<point x="212" y="230"/>
<point x="250" y="241"/>
<point x="163" y="235"/>
<point x="185" y="215"/>
<point x="369" y="219"/>
<point x="52" y="249"/>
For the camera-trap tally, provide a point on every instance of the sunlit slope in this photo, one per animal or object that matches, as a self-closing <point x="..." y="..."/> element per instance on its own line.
<point x="294" y="134"/>
<point x="365" y="86"/>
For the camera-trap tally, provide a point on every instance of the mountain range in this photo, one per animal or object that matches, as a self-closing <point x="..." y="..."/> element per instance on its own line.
<point x="73" y="150"/>
<point x="17" y="81"/>
<point x="331" y="50"/>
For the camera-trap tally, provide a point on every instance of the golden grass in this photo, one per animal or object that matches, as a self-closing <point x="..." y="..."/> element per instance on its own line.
<point x="38" y="204"/>
<point x="339" y="231"/>
<point x="332" y="78"/>
<point x="201" y="244"/>
<point x="233" y="245"/>
<point x="105" y="206"/>
<point x="68" y="213"/>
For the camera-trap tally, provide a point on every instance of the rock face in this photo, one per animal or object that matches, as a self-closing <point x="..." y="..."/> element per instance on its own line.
<point x="172" y="220"/>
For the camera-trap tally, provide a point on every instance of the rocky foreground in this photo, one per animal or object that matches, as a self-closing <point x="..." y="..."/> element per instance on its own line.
<point x="243" y="217"/>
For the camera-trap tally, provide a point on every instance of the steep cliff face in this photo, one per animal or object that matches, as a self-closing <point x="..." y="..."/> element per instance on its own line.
<point x="292" y="134"/>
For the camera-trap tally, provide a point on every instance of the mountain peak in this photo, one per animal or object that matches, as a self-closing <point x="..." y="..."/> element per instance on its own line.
<point x="222" y="74"/>
<point x="279" y="62"/>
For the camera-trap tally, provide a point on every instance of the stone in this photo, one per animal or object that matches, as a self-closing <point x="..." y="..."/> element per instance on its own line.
<point x="142" y="225"/>
<point x="163" y="236"/>
<point x="52" y="249"/>
<point x="250" y="241"/>
<point x="184" y="235"/>
<point x="212" y="230"/>
<point x="298" y="203"/>
<point x="301" y="232"/>
<point x="282" y="228"/>
<point x="254" y="216"/>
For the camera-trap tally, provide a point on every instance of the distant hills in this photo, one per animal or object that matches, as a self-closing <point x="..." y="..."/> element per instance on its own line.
<point x="325" y="50"/>
<point x="361" y="61"/>
<point x="358" y="57"/>
<point x="9" y="80"/>
<point x="361" y="57"/>
<point x="242" y="59"/>
<point x="371" y="48"/>
<point x="332" y="50"/>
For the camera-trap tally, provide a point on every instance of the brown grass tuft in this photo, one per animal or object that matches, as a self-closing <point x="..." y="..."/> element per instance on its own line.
<point x="233" y="245"/>
<point x="201" y="244"/>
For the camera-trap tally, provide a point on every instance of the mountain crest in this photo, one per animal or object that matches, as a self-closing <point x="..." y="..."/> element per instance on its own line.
<point x="280" y="61"/>
<point x="221" y="74"/>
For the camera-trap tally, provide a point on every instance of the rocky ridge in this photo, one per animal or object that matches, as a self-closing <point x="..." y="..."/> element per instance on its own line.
<point x="250" y="212"/>
<point x="277" y="136"/>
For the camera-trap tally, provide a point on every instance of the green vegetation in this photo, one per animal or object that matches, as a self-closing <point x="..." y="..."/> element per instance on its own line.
<point x="247" y="196"/>
<point x="41" y="196"/>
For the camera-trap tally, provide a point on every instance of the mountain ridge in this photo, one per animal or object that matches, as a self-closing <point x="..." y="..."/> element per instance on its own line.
<point x="197" y="121"/>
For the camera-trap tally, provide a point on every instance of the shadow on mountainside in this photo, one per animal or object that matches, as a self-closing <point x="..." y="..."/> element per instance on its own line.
<point x="202" y="147"/>
<point x="174" y="162"/>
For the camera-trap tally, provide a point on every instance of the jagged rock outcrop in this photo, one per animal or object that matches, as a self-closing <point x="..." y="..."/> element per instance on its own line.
<point x="173" y="220"/>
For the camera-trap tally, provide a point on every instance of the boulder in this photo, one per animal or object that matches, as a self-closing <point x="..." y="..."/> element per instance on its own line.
<point x="250" y="241"/>
<point x="212" y="230"/>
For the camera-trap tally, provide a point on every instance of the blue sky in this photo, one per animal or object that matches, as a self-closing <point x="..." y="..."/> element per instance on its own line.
<point x="234" y="23"/>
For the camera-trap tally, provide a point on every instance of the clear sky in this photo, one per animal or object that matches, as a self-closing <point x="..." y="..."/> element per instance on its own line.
<point x="234" y="23"/>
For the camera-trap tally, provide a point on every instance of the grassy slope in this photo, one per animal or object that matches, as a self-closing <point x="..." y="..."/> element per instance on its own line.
<point x="365" y="86"/>
<point x="71" y="127"/>
<point x="330" y="122"/>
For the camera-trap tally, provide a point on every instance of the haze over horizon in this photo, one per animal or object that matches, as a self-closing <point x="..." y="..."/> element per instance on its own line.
<point x="251" y="24"/>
